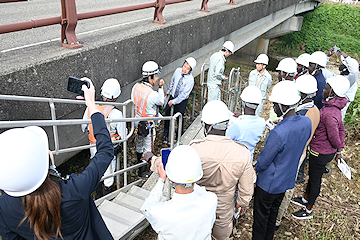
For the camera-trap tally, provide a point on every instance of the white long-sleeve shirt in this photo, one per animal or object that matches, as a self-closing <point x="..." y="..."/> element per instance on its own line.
<point x="186" y="216"/>
<point x="186" y="87"/>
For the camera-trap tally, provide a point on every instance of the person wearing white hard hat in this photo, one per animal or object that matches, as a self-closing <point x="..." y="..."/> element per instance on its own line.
<point x="37" y="207"/>
<point x="226" y="164"/>
<point x="110" y="91"/>
<point x="349" y="68"/>
<point x="190" y="213"/>
<point x="327" y="143"/>
<point x="180" y="87"/>
<point x="278" y="162"/>
<point x="302" y="65"/>
<point x="146" y="102"/>
<point x="216" y="75"/>
<point x="307" y="86"/>
<point x="261" y="78"/>
<point x="248" y="128"/>
<point x="317" y="62"/>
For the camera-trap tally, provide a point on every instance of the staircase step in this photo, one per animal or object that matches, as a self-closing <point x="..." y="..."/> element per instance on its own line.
<point x="129" y="201"/>
<point x="119" y="220"/>
<point x="138" y="192"/>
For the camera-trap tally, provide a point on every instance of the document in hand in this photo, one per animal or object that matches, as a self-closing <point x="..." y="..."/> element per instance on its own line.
<point x="344" y="168"/>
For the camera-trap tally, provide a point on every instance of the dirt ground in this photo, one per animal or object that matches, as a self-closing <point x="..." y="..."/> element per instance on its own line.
<point x="337" y="209"/>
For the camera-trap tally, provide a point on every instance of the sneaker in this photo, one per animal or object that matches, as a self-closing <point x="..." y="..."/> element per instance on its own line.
<point x="326" y="171"/>
<point x="302" y="214"/>
<point x="298" y="201"/>
<point x="164" y="139"/>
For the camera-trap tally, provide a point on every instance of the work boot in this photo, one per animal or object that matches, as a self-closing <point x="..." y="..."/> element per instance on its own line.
<point x="143" y="172"/>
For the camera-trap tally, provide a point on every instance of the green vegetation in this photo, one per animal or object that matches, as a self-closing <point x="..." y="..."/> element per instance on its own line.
<point x="353" y="113"/>
<point x="329" y="24"/>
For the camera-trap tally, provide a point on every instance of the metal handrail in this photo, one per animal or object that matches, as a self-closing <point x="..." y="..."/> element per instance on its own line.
<point x="231" y="94"/>
<point x="55" y="123"/>
<point x="69" y="18"/>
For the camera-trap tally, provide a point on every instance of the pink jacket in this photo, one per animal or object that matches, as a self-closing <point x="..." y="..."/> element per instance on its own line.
<point x="330" y="134"/>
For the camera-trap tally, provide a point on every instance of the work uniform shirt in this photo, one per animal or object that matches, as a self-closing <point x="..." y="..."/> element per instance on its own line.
<point x="156" y="98"/>
<point x="80" y="218"/>
<point x="225" y="164"/>
<point x="186" y="216"/>
<point x="216" y="69"/>
<point x="278" y="162"/>
<point x="263" y="82"/>
<point x="187" y="84"/>
<point x="248" y="130"/>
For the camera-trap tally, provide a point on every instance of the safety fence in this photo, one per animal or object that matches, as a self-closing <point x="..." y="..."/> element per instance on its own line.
<point x="54" y="123"/>
<point x="70" y="17"/>
<point x="230" y="91"/>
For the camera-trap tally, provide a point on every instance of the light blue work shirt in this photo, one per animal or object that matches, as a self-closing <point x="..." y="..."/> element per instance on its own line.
<point x="186" y="87"/>
<point x="247" y="130"/>
<point x="216" y="69"/>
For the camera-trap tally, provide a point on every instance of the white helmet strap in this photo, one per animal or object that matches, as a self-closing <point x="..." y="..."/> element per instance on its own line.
<point x="284" y="113"/>
<point x="218" y="126"/>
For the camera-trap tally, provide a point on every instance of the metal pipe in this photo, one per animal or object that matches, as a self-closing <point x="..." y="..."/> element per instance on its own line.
<point x="56" y="136"/>
<point x="13" y="27"/>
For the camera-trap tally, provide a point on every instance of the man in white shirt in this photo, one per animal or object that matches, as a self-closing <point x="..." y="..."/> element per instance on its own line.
<point x="190" y="214"/>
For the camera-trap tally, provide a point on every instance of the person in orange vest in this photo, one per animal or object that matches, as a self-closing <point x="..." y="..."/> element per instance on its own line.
<point x="110" y="91"/>
<point x="146" y="102"/>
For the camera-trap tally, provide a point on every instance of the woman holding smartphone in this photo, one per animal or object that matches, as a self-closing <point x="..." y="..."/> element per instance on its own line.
<point x="37" y="207"/>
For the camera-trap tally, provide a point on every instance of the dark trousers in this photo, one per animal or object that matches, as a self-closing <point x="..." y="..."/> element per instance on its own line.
<point x="266" y="207"/>
<point x="180" y="107"/>
<point x="316" y="170"/>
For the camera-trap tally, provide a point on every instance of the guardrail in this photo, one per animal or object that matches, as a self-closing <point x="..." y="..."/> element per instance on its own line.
<point x="69" y="18"/>
<point x="55" y="123"/>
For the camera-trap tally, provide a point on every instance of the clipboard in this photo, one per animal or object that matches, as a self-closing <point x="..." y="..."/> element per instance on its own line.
<point x="344" y="168"/>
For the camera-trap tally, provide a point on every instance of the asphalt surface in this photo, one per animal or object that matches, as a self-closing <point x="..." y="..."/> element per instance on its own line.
<point x="28" y="47"/>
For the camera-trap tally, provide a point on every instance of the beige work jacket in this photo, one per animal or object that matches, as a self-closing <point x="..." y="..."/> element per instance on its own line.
<point x="226" y="163"/>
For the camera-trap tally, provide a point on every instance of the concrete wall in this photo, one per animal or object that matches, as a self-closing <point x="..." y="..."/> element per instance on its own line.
<point x="168" y="44"/>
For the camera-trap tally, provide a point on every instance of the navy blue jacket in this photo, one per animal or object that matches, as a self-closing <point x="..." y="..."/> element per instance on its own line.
<point x="321" y="82"/>
<point x="80" y="217"/>
<point x="278" y="161"/>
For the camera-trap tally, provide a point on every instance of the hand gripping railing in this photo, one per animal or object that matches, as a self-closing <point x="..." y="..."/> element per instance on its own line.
<point x="69" y="18"/>
<point x="54" y="123"/>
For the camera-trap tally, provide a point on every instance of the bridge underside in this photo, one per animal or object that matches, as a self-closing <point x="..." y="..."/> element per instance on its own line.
<point x="44" y="72"/>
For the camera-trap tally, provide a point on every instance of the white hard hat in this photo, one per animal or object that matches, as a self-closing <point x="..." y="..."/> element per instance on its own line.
<point x="24" y="171"/>
<point x="262" y="58"/>
<point x="184" y="165"/>
<point x="303" y="59"/>
<point x="110" y="89"/>
<point x="339" y="84"/>
<point x="319" y="58"/>
<point x="228" y="45"/>
<point x="192" y="62"/>
<point x="251" y="94"/>
<point x="287" y="65"/>
<point x="350" y="63"/>
<point x="286" y="93"/>
<point x="214" y="112"/>
<point x="306" y="84"/>
<point x="150" y="68"/>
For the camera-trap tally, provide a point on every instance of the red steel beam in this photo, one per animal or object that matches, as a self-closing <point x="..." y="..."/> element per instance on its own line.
<point x="13" y="27"/>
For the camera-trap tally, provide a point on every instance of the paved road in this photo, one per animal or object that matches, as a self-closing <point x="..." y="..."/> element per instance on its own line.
<point x="19" y="49"/>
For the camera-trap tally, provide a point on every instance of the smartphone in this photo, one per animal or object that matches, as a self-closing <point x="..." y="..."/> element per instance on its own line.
<point x="74" y="85"/>
<point x="165" y="152"/>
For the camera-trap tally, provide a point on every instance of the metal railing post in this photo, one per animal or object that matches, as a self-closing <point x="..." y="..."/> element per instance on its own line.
<point x="68" y="24"/>
<point x="159" y="7"/>
<point x="53" y="117"/>
<point x="232" y="2"/>
<point x="204" y="6"/>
